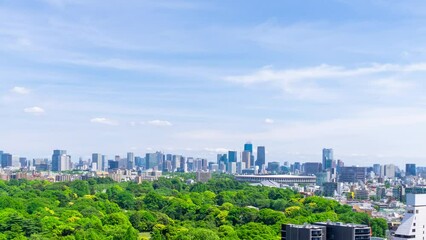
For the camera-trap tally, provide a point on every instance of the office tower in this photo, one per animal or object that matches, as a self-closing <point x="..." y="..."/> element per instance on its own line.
<point x="175" y="162"/>
<point x="232" y="167"/>
<point x="388" y="170"/>
<point x="23" y="163"/>
<point x="303" y="232"/>
<point x="329" y="189"/>
<point x="377" y="169"/>
<point x="339" y="165"/>
<point x="410" y="169"/>
<point x="182" y="165"/>
<point x="41" y="164"/>
<point x="204" y="164"/>
<point x="214" y="167"/>
<point x="341" y="231"/>
<point x="112" y="165"/>
<point x="312" y="168"/>
<point x="96" y="162"/>
<point x="246" y="158"/>
<point x="104" y="163"/>
<point x="130" y="160"/>
<point x="240" y="166"/>
<point x="414" y="221"/>
<point x="327" y="158"/>
<point x="273" y="167"/>
<point x="56" y="158"/>
<point x="261" y="158"/>
<point x="222" y="158"/>
<point x="353" y="174"/>
<point x="297" y="167"/>
<point x="64" y="163"/>
<point x="151" y="160"/>
<point x="248" y="147"/>
<point x="139" y="162"/>
<point x="6" y="160"/>
<point x="232" y="156"/>
<point x="190" y="164"/>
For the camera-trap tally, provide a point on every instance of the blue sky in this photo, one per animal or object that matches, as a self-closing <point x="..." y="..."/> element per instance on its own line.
<point x="199" y="77"/>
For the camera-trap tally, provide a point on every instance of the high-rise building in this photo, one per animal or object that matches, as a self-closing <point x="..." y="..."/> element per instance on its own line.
<point x="410" y="169"/>
<point x="248" y="147"/>
<point x="232" y="156"/>
<point x="327" y="158"/>
<point x="96" y="161"/>
<point x="303" y="232"/>
<point x="23" y="162"/>
<point x="388" y="170"/>
<point x="340" y="231"/>
<point x="353" y="174"/>
<point x="246" y="158"/>
<point x="64" y="163"/>
<point x="153" y="160"/>
<point x="414" y="221"/>
<point x="311" y="168"/>
<point x="182" y="165"/>
<point x="273" y="167"/>
<point x="130" y="160"/>
<point x="297" y="167"/>
<point x="56" y="159"/>
<point x="104" y="164"/>
<point x="6" y="160"/>
<point x="261" y="157"/>
<point x="376" y="169"/>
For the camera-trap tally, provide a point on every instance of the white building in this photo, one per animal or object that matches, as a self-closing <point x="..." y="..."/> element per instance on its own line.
<point x="413" y="225"/>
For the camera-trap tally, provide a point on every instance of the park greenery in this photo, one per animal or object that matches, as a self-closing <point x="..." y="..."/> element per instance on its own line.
<point x="168" y="208"/>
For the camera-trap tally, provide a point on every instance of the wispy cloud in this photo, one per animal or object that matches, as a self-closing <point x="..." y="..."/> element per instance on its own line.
<point x="269" y="121"/>
<point x="159" y="123"/>
<point x="215" y="150"/>
<point x="314" y="82"/>
<point x="102" y="120"/>
<point x="20" y="90"/>
<point x="34" y="110"/>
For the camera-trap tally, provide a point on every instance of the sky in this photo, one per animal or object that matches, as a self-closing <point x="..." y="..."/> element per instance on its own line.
<point x="202" y="77"/>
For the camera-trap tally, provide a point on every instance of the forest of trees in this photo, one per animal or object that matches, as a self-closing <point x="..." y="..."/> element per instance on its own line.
<point x="165" y="209"/>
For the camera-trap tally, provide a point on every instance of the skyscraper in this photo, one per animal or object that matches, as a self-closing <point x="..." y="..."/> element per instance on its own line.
<point x="261" y="157"/>
<point x="130" y="160"/>
<point x="246" y="158"/>
<point x="56" y="159"/>
<point x="410" y="169"/>
<point x="6" y="160"/>
<point x="327" y="158"/>
<point x="249" y="147"/>
<point x="96" y="161"/>
<point x="232" y="156"/>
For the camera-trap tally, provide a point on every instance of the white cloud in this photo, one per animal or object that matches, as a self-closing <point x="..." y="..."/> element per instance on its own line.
<point x="105" y="121"/>
<point x="269" y="121"/>
<point x="20" y="90"/>
<point x="318" y="82"/>
<point x="216" y="150"/>
<point x="159" y="123"/>
<point x="34" y="110"/>
<point x="392" y="86"/>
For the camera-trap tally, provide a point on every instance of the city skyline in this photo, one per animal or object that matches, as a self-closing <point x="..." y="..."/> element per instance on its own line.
<point x="195" y="78"/>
